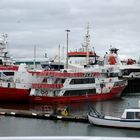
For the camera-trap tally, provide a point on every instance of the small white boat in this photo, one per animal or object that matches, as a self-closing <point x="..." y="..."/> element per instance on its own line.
<point x="129" y="119"/>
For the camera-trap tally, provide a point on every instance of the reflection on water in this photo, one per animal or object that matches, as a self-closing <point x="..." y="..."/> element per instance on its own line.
<point x="110" y="107"/>
<point x="12" y="126"/>
<point x="111" y="132"/>
<point x="20" y="106"/>
<point x="38" y="127"/>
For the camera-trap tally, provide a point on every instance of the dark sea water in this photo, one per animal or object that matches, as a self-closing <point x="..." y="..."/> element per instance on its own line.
<point x="12" y="126"/>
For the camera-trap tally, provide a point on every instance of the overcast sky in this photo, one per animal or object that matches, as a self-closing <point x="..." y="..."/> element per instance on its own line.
<point x="43" y="23"/>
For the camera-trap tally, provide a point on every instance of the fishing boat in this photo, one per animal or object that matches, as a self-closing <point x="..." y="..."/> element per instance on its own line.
<point x="129" y="119"/>
<point x="13" y="86"/>
<point x="18" y="87"/>
<point x="128" y="70"/>
<point x="80" y="81"/>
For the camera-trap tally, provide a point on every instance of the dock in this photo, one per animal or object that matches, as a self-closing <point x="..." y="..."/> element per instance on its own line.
<point x="42" y="115"/>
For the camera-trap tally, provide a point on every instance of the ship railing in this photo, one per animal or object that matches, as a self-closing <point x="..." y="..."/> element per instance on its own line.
<point x="12" y="68"/>
<point x="69" y="74"/>
<point x="51" y="86"/>
<point x="61" y="74"/>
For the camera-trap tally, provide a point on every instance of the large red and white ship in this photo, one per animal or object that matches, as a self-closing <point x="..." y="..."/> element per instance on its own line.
<point x="67" y="86"/>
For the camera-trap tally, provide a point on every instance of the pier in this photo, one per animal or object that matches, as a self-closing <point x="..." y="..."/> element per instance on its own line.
<point x="40" y="115"/>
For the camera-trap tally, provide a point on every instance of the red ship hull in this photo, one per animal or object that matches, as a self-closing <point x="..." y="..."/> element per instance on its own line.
<point x="14" y="94"/>
<point x="115" y="92"/>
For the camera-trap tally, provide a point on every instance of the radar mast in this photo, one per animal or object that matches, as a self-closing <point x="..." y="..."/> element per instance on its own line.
<point x="86" y="45"/>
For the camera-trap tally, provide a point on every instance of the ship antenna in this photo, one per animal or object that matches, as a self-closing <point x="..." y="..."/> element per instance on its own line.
<point x="87" y="43"/>
<point x="34" y="56"/>
<point x="59" y="57"/>
<point x="67" y="48"/>
<point x="63" y="52"/>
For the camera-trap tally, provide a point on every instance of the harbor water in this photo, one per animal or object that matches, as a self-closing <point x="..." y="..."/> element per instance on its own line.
<point x="14" y="126"/>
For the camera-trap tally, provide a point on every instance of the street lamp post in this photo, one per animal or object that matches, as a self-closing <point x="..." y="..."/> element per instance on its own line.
<point x="67" y="48"/>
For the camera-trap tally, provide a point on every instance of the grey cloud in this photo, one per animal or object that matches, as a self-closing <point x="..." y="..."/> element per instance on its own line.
<point x="43" y="23"/>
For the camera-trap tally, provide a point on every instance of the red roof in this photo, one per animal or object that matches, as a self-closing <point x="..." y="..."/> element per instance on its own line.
<point x="78" y="54"/>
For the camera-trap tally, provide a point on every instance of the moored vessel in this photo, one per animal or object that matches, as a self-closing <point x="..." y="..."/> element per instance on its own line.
<point x="9" y="88"/>
<point x="82" y="80"/>
<point x="18" y="87"/>
<point x="128" y="70"/>
<point x="67" y="86"/>
<point x="129" y="119"/>
<point x="7" y="67"/>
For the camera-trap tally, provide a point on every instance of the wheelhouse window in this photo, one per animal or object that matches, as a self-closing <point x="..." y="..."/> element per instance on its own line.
<point x="130" y="115"/>
<point x="125" y="72"/>
<point x="63" y="81"/>
<point x="83" y="81"/>
<point x="44" y="80"/>
<point x="79" y="92"/>
<point x="128" y="71"/>
<point x="8" y="73"/>
<point x="112" y="74"/>
<point x="137" y="115"/>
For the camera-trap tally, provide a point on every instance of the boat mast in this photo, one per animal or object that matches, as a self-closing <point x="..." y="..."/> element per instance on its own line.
<point x="87" y="44"/>
<point x="3" y="48"/>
